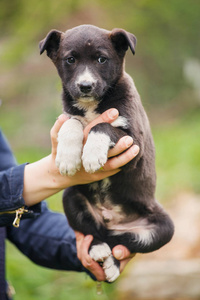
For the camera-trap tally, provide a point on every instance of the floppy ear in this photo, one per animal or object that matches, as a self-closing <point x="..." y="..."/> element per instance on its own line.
<point x="122" y="40"/>
<point x="51" y="43"/>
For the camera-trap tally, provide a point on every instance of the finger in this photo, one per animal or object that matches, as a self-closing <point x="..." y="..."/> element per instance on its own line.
<point x="108" y="116"/>
<point x="123" y="144"/>
<point x="88" y="262"/>
<point x="120" y="252"/>
<point x="96" y="270"/>
<point x="121" y="160"/>
<point x="54" y="131"/>
<point x="79" y="240"/>
<point x="123" y="264"/>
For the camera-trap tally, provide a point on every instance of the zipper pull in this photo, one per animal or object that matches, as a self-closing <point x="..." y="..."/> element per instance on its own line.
<point x="19" y="213"/>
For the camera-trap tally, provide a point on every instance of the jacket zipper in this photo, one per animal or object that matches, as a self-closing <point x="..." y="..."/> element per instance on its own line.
<point x="18" y="214"/>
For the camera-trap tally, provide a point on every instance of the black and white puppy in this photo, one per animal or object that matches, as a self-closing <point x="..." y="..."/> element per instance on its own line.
<point x="121" y="209"/>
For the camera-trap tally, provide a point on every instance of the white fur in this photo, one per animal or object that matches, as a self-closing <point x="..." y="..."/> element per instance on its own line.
<point x="146" y="236"/>
<point x="105" y="184"/>
<point x="111" y="270"/>
<point x="100" y="252"/>
<point x="70" y="139"/>
<point x="88" y="105"/>
<point x="144" y="231"/>
<point x="95" y="151"/>
<point x="120" y="122"/>
<point x="86" y="76"/>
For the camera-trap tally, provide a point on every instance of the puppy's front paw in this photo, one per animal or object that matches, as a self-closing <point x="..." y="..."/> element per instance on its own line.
<point x="70" y="139"/>
<point x="95" y="151"/>
<point x="100" y="252"/>
<point x="93" y="161"/>
<point x="68" y="160"/>
<point x="111" y="270"/>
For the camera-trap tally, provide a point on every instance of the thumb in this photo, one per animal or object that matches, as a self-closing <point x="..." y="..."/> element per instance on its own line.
<point x="54" y="132"/>
<point x="120" y="252"/>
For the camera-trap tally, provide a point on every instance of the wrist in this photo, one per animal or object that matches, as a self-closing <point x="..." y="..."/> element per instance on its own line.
<point x="42" y="180"/>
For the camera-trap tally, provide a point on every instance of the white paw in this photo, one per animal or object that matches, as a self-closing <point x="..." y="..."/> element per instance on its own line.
<point x="95" y="151"/>
<point x="68" y="160"/>
<point x="100" y="252"/>
<point x="93" y="161"/>
<point x="111" y="270"/>
<point x="70" y="138"/>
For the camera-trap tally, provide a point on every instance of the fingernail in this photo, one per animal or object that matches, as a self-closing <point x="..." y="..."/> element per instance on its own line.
<point x="135" y="149"/>
<point x="88" y="237"/>
<point x="128" y="141"/>
<point x="118" y="253"/>
<point x="113" y="113"/>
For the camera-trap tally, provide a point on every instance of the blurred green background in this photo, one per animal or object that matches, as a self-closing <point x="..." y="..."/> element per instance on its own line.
<point x="166" y="70"/>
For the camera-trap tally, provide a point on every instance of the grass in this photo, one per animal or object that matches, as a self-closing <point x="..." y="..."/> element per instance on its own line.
<point x="33" y="282"/>
<point x="178" y="156"/>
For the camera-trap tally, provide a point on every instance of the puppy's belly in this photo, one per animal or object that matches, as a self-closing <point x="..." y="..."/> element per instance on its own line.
<point x="114" y="219"/>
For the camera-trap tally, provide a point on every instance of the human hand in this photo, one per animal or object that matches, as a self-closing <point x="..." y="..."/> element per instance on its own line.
<point x="120" y="252"/>
<point x="42" y="178"/>
<point x="114" y="162"/>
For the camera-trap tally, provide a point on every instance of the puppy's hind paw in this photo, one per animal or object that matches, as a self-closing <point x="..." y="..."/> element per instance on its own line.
<point x="100" y="252"/>
<point x="111" y="269"/>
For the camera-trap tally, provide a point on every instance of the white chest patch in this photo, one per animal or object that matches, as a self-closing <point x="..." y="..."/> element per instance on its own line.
<point x="88" y="105"/>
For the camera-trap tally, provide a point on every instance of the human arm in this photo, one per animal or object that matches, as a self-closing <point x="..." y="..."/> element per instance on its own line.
<point x="47" y="240"/>
<point x="28" y="184"/>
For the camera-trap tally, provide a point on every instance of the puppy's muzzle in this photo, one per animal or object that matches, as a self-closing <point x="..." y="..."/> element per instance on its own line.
<point x="86" y="87"/>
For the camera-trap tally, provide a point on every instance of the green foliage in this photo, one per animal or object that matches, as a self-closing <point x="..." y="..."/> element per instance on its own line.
<point x="167" y="33"/>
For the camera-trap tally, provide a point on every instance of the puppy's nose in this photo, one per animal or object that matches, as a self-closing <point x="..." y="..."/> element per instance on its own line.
<point x="85" y="87"/>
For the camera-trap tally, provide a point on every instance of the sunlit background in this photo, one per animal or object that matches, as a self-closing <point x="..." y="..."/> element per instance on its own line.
<point x="166" y="71"/>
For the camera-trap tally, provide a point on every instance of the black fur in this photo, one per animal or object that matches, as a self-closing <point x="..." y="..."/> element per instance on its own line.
<point x="133" y="189"/>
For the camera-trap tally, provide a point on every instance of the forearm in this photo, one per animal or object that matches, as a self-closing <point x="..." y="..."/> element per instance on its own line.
<point x="41" y="181"/>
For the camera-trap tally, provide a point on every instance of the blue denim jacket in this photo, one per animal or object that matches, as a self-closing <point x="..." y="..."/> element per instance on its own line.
<point x="44" y="236"/>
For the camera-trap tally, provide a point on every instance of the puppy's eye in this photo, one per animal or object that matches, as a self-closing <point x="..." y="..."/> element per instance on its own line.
<point x="70" y="60"/>
<point x="102" y="60"/>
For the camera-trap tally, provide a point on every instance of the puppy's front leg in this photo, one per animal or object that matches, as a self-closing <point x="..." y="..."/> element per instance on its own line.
<point x="70" y="143"/>
<point x="101" y="138"/>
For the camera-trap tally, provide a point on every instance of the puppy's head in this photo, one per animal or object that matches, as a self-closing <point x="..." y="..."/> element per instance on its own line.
<point x="89" y="60"/>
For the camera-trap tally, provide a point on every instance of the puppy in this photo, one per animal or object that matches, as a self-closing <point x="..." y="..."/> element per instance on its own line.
<point x="121" y="209"/>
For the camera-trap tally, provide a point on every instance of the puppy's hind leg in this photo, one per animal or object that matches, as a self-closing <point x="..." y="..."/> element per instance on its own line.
<point x="101" y="252"/>
<point x="147" y="235"/>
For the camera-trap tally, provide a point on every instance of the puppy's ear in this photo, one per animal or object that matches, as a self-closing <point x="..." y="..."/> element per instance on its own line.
<point x="51" y="43"/>
<point x="122" y="40"/>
